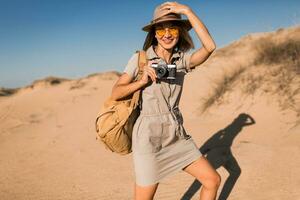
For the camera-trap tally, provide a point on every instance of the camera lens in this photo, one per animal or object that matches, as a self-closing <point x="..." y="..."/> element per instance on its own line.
<point x="161" y="71"/>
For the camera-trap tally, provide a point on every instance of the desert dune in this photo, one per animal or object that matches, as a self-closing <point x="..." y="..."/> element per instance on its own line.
<point x="241" y="106"/>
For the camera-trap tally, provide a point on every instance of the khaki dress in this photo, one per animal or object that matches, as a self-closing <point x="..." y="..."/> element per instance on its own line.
<point x="160" y="144"/>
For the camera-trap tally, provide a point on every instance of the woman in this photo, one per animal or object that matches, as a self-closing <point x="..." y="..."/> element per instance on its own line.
<point x="160" y="144"/>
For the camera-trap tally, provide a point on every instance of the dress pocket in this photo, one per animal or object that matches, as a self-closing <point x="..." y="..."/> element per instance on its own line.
<point x="135" y="131"/>
<point x="148" y="139"/>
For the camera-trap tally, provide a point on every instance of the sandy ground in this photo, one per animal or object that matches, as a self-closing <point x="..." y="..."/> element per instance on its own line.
<point x="48" y="148"/>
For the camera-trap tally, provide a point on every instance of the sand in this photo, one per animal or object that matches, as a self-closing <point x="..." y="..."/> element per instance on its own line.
<point x="48" y="148"/>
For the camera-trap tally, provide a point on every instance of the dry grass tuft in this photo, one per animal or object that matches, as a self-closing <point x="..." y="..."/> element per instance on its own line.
<point x="284" y="57"/>
<point x="275" y="70"/>
<point x="8" y="91"/>
<point x="77" y="85"/>
<point x="221" y="87"/>
<point x="287" y="53"/>
<point x="50" y="80"/>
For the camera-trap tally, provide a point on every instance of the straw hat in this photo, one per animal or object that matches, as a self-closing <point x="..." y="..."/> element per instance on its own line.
<point x="163" y="16"/>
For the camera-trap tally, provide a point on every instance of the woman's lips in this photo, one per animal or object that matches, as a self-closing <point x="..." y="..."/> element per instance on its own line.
<point x="167" y="41"/>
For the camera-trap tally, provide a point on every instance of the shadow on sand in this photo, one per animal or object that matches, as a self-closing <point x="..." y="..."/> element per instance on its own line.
<point x="218" y="153"/>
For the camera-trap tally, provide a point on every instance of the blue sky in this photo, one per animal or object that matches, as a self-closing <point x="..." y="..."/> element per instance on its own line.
<point x="74" y="38"/>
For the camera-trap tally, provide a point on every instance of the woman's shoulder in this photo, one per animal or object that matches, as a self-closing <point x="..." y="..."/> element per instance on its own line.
<point x="185" y="57"/>
<point x="134" y="57"/>
<point x="131" y="67"/>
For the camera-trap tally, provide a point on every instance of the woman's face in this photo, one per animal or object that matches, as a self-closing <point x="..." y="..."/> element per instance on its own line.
<point x="167" y="34"/>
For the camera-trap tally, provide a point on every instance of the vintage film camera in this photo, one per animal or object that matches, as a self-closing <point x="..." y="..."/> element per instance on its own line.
<point x="164" y="70"/>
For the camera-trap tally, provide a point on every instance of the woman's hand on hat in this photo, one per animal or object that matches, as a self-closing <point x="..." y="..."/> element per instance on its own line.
<point x="148" y="71"/>
<point x="174" y="7"/>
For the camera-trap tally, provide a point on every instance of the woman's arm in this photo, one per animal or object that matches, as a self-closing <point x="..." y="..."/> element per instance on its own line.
<point x="124" y="87"/>
<point x="208" y="44"/>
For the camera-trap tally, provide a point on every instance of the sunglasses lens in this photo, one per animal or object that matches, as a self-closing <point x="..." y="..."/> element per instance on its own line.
<point x="160" y="32"/>
<point x="173" y="31"/>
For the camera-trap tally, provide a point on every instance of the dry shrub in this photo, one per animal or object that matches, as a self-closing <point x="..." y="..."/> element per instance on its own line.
<point x="252" y="83"/>
<point x="50" y="80"/>
<point x="8" y="91"/>
<point x="221" y="87"/>
<point x="276" y="71"/>
<point x="77" y="85"/>
<point x="287" y="53"/>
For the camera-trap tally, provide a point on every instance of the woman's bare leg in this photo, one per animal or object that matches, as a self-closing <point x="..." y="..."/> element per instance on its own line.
<point x="145" y="192"/>
<point x="210" y="179"/>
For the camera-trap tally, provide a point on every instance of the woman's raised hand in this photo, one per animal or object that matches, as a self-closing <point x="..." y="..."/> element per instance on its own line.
<point x="148" y="71"/>
<point x="174" y="7"/>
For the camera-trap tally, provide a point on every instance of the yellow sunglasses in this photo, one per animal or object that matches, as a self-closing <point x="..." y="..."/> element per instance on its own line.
<point x="174" y="31"/>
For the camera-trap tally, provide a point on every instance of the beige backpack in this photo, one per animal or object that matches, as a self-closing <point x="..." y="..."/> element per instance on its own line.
<point x="114" y="122"/>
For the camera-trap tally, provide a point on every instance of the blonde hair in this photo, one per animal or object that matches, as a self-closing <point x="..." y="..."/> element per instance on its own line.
<point x="184" y="43"/>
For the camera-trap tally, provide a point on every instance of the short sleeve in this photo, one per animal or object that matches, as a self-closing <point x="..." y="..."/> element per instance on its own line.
<point x="132" y="66"/>
<point x="186" y="62"/>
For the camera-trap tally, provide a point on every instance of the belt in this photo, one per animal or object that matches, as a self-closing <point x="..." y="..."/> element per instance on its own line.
<point x="177" y="116"/>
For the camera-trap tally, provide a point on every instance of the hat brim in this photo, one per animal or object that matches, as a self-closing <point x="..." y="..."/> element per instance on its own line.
<point x="184" y="22"/>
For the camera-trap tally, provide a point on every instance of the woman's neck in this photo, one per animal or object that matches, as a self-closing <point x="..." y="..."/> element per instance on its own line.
<point x="163" y="53"/>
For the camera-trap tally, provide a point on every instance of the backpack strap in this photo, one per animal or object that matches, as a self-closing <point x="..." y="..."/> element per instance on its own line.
<point x="142" y="61"/>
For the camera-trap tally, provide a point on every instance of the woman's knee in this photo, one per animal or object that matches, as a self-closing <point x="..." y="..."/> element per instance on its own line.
<point x="204" y="172"/>
<point x="213" y="180"/>
<point x="145" y="192"/>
